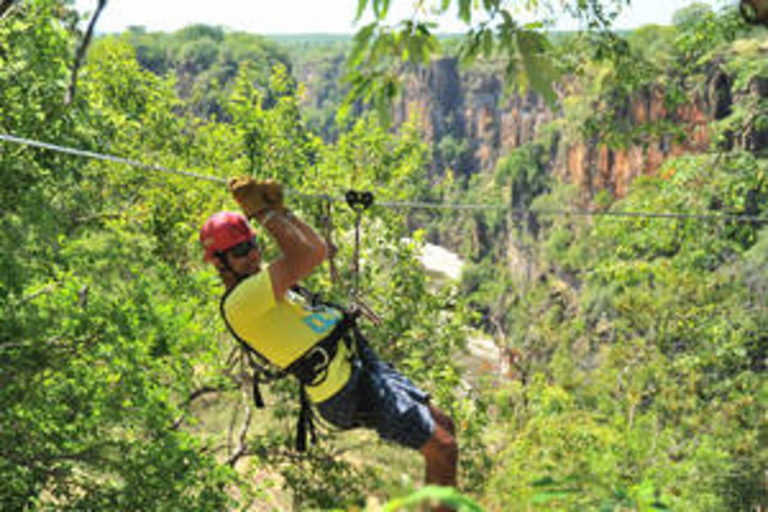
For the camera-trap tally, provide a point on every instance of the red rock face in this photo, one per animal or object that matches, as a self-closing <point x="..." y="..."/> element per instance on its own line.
<point x="654" y="157"/>
<point x="595" y="166"/>
<point x="472" y="105"/>
<point x="604" y="177"/>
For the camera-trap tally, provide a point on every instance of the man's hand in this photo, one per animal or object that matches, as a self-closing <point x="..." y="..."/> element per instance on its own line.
<point x="257" y="197"/>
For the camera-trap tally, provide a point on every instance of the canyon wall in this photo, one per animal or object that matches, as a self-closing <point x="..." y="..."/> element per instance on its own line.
<point x="471" y="106"/>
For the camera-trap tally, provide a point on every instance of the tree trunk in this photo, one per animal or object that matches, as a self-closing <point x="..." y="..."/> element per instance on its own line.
<point x="81" y="49"/>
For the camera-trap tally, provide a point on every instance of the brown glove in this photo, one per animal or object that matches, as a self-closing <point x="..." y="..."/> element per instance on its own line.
<point x="256" y="197"/>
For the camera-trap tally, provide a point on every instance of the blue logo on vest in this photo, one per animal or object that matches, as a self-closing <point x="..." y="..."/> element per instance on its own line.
<point x="321" y="323"/>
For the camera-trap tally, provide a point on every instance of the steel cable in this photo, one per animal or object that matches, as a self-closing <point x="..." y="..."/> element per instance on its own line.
<point x="404" y="205"/>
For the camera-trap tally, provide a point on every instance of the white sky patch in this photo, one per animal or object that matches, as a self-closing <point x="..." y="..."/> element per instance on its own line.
<point x="312" y="16"/>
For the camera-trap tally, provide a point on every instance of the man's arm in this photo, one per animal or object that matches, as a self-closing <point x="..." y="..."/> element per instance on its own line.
<point x="302" y="249"/>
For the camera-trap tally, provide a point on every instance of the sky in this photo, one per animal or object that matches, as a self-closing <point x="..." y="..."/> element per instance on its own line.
<point x="312" y="16"/>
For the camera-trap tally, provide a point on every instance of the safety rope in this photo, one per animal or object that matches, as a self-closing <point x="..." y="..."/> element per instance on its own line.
<point x="359" y="202"/>
<point x="406" y="205"/>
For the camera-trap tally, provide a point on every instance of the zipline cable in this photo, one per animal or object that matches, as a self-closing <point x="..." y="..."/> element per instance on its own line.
<point x="403" y="205"/>
<point x="107" y="158"/>
<point x="415" y="205"/>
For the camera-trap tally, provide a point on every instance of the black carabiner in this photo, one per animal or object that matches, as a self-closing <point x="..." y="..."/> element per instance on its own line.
<point x="359" y="200"/>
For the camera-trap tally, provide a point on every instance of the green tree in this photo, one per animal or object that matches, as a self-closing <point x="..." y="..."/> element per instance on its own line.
<point x="110" y="332"/>
<point x="382" y="51"/>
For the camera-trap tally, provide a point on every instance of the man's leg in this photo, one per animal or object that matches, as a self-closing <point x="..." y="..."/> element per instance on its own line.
<point x="401" y="418"/>
<point x="441" y="453"/>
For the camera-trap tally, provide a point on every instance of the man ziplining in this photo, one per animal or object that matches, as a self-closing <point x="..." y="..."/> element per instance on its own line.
<point x="346" y="382"/>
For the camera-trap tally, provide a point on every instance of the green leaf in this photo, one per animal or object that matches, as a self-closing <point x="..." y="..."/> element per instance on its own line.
<point x="445" y="495"/>
<point x="424" y="29"/>
<point x="384" y="8"/>
<point x="487" y="43"/>
<point x="490" y="5"/>
<point x="361" y="5"/>
<point x="465" y="11"/>
<point x="506" y="35"/>
<point x="543" y="481"/>
<point x="507" y="17"/>
<point x="361" y="42"/>
<point x="534" y="25"/>
<point x="539" y="69"/>
<point x="542" y="498"/>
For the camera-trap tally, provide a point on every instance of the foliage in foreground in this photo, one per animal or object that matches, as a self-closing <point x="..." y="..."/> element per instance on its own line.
<point x="636" y="347"/>
<point x="639" y="382"/>
<point x="110" y="335"/>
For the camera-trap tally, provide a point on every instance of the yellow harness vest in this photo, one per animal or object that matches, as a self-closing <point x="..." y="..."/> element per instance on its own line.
<point x="281" y="331"/>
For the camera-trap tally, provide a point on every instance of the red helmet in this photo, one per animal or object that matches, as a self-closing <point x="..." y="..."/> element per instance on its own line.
<point x="224" y="230"/>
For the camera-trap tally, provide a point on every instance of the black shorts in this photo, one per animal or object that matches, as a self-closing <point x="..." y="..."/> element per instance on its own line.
<point x="378" y="397"/>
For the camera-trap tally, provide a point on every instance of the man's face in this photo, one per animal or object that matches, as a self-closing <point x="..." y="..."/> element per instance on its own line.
<point x="245" y="258"/>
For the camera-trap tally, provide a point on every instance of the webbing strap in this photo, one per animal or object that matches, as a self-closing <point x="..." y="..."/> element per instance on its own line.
<point x="258" y="399"/>
<point x="306" y="423"/>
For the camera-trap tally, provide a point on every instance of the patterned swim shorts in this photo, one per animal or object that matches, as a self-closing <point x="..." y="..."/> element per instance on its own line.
<point x="378" y="397"/>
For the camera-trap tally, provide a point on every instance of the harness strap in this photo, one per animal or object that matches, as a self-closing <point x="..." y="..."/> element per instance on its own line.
<point x="359" y="202"/>
<point x="258" y="399"/>
<point x="306" y="423"/>
<point x="312" y="367"/>
<point x="261" y="374"/>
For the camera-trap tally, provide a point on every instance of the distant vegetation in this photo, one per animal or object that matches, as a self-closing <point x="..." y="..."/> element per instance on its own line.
<point x="205" y="61"/>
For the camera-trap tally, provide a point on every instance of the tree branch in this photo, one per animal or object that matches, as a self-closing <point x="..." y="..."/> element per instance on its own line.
<point x="4" y="6"/>
<point x="42" y="291"/>
<point x="80" y="54"/>
<point x="241" y="445"/>
<point x="205" y="390"/>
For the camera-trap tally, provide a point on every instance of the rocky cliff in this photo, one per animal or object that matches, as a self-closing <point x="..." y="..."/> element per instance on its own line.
<point x="471" y="106"/>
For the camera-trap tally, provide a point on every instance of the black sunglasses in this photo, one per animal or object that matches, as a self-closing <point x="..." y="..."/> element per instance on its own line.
<point x="242" y="249"/>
